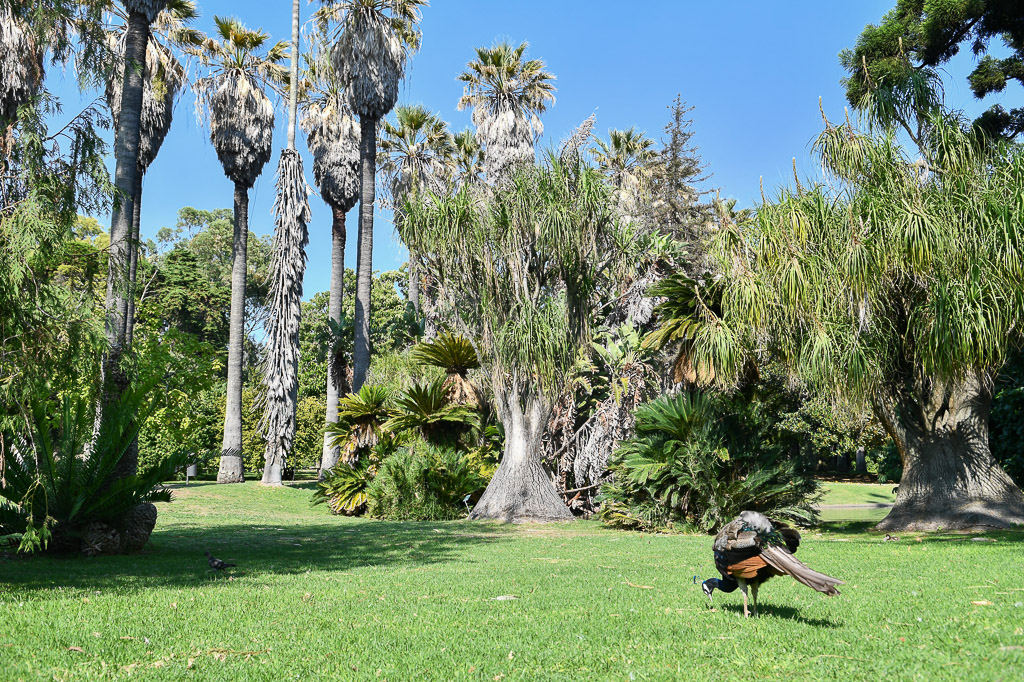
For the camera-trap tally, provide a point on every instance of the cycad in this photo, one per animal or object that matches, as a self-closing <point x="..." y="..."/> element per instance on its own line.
<point x="426" y="409"/>
<point x="241" y="120"/>
<point x="361" y="419"/>
<point x="456" y="356"/>
<point x="507" y="95"/>
<point x="343" y="488"/>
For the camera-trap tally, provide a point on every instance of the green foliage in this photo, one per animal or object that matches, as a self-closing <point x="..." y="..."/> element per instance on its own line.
<point x="55" y="483"/>
<point x="1006" y="430"/>
<point x="426" y="409"/>
<point x="432" y="484"/>
<point x="892" y="67"/>
<point x="344" y="488"/>
<point x="454" y="354"/>
<point x="696" y="462"/>
<point x="361" y="421"/>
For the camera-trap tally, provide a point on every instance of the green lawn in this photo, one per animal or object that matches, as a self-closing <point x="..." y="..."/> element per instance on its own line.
<point x="317" y="597"/>
<point x="858" y="493"/>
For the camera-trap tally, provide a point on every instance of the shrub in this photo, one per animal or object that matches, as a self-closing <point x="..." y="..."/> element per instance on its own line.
<point x="56" y="492"/>
<point x="434" y="484"/>
<point x="695" y="463"/>
<point x="343" y="489"/>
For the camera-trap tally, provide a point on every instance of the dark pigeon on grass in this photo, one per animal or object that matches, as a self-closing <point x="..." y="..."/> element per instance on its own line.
<point x="217" y="564"/>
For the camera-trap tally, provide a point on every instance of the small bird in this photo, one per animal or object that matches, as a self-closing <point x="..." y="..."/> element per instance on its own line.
<point x="217" y="564"/>
<point x="891" y="538"/>
<point x="752" y="549"/>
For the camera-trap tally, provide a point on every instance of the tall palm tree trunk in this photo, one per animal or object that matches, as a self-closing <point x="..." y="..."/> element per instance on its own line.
<point x="133" y="266"/>
<point x="364" y="261"/>
<point x="231" y="470"/>
<point x="126" y="153"/>
<point x="335" y="370"/>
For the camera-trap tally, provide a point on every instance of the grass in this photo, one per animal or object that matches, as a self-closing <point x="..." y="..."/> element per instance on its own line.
<point x="858" y="493"/>
<point x="321" y="597"/>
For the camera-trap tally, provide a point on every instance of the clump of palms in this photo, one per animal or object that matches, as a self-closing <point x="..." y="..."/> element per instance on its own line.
<point x="374" y="41"/>
<point x="241" y="118"/>
<point x="507" y="96"/>
<point x="361" y="420"/>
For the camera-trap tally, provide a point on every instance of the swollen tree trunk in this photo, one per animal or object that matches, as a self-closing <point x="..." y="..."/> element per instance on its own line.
<point x="950" y="478"/>
<point x="364" y="259"/>
<point x="521" y="491"/>
<point x="126" y="153"/>
<point x="334" y="359"/>
<point x="231" y="470"/>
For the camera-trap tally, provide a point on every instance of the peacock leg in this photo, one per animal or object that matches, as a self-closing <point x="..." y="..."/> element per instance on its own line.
<point x="743" y="588"/>
<point x="753" y="595"/>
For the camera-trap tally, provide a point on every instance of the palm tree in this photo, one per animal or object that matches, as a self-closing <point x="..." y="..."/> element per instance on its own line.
<point x="287" y="267"/>
<point x="418" y="151"/>
<point x="625" y="158"/>
<point x="164" y="76"/>
<point x="507" y="96"/>
<point x="469" y="158"/>
<point x="21" y="66"/>
<point x="333" y="139"/>
<point x="141" y="13"/>
<point x="241" y="120"/>
<point x="375" y="41"/>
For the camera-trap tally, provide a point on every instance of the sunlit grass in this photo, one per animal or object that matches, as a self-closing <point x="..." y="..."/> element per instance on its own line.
<point x="321" y="597"/>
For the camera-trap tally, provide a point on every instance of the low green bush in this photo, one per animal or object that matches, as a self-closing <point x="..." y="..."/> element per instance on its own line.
<point x="425" y="483"/>
<point x="695" y="463"/>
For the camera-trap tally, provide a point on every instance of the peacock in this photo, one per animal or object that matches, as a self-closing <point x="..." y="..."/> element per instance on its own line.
<point x="752" y="549"/>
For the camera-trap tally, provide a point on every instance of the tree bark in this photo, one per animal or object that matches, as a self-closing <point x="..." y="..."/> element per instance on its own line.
<point x="521" y="491"/>
<point x="950" y="478"/>
<point x="364" y="261"/>
<point x="231" y="468"/>
<point x="334" y="360"/>
<point x="114" y="378"/>
<point x="414" y="284"/>
<point x="133" y="265"/>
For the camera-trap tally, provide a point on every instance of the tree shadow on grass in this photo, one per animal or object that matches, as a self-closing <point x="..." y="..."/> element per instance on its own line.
<point x="864" y="529"/>
<point x="174" y="556"/>
<point x="786" y="612"/>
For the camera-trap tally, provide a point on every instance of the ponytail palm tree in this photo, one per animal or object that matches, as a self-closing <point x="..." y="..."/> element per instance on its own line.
<point x="376" y="38"/>
<point x="241" y="119"/>
<point x="507" y="96"/>
<point x="141" y="13"/>
<point x="163" y="77"/>
<point x="332" y="136"/>
<point x="418" y="152"/>
<point x="900" y="285"/>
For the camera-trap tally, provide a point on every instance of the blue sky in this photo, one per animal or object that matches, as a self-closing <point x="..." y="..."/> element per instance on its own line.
<point x="753" y="70"/>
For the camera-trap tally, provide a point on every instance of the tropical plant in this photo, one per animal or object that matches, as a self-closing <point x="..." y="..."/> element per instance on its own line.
<point x="114" y="377"/>
<point x="686" y="466"/>
<point x="432" y="484"/>
<point x="287" y="267"/>
<point x="241" y="119"/>
<point x="519" y="270"/>
<point x="56" y="489"/>
<point x="900" y="288"/>
<point x="332" y="136"/>
<point x="507" y="96"/>
<point x="468" y="158"/>
<point x="417" y="150"/>
<point x="456" y="356"/>
<point x="343" y="488"/>
<point x="427" y="410"/>
<point x="626" y="159"/>
<point x="361" y="419"/>
<point x="164" y="77"/>
<point x="375" y="39"/>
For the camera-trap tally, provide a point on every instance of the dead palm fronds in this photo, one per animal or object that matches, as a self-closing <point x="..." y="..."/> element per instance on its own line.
<point x="21" y="66"/>
<point x="507" y="96"/>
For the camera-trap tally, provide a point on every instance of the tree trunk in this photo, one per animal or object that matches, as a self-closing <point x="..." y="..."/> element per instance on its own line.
<point x="334" y="360"/>
<point x="126" y="153"/>
<point x="950" y="479"/>
<point x="862" y="463"/>
<point x="133" y="265"/>
<point x="364" y="261"/>
<point x="521" y="491"/>
<point x="414" y="284"/>
<point x="231" y="469"/>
